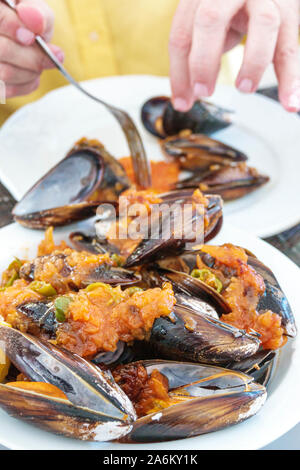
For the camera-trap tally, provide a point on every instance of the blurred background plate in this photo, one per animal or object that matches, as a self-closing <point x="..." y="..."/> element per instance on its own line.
<point x="40" y="134"/>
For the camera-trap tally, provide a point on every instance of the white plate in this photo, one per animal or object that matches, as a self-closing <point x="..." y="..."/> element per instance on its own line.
<point x="40" y="134"/>
<point x="280" y="413"/>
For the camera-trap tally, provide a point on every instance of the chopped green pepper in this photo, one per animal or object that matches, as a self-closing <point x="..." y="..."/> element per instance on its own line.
<point x="12" y="273"/>
<point x="117" y="259"/>
<point x="205" y="275"/>
<point x="43" y="288"/>
<point x="133" y="290"/>
<point x="96" y="285"/>
<point x="16" y="264"/>
<point x="61" y="305"/>
<point x="12" y="279"/>
<point x="116" y="295"/>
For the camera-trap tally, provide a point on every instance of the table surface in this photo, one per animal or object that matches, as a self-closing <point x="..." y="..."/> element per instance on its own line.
<point x="287" y="242"/>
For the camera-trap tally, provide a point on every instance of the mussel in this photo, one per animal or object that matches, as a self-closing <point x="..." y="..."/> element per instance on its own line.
<point x="74" y="188"/>
<point x="196" y="152"/>
<point x="161" y="119"/>
<point x="90" y="406"/>
<point x="74" y="276"/>
<point x="68" y="395"/>
<point x="190" y="335"/>
<point x="208" y="399"/>
<point x="272" y="298"/>
<point x="230" y="182"/>
<point x="166" y="231"/>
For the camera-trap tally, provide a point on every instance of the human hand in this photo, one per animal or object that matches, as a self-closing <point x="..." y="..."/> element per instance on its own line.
<point x="204" y="29"/>
<point x="21" y="60"/>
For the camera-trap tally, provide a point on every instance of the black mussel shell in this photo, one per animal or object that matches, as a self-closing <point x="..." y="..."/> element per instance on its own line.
<point x="274" y="298"/>
<point x="161" y="119"/>
<point x="229" y="182"/>
<point x="73" y="189"/>
<point x="197" y="152"/>
<point x="189" y="336"/>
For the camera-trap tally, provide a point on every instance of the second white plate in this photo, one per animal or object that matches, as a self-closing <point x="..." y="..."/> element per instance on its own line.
<point x="40" y="134"/>
<point x="279" y="414"/>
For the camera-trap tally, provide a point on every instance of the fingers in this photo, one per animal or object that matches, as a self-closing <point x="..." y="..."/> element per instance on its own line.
<point x="20" y="90"/>
<point x="20" y="66"/>
<point x="233" y="39"/>
<point x="37" y="17"/>
<point x="179" y="49"/>
<point x="286" y="60"/>
<point x="30" y="58"/>
<point x="211" y="24"/>
<point x="15" y="76"/>
<point x="12" y="27"/>
<point x="263" y="29"/>
<point x="197" y="42"/>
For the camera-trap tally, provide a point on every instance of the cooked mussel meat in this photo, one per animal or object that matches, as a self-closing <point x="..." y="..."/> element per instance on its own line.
<point x="205" y="398"/>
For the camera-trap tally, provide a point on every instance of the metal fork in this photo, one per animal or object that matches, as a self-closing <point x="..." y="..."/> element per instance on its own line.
<point x="137" y="150"/>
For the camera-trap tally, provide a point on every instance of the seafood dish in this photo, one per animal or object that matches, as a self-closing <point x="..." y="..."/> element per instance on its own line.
<point x="187" y="143"/>
<point x="146" y="338"/>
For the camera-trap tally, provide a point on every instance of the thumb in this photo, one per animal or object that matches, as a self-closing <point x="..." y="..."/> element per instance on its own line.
<point x="37" y="16"/>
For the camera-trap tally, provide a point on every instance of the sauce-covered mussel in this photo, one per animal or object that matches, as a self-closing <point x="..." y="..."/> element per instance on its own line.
<point x="251" y="291"/>
<point x="153" y="225"/>
<point x="175" y="400"/>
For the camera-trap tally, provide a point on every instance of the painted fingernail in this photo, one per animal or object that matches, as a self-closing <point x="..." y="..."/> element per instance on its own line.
<point x="200" y="90"/>
<point x="24" y="36"/>
<point x="180" y="104"/>
<point x="246" y="85"/>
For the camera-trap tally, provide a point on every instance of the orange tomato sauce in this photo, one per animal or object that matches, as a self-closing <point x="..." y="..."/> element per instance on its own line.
<point x="242" y="294"/>
<point x="164" y="174"/>
<point x="67" y="270"/>
<point x="98" y="319"/>
<point x="149" y="394"/>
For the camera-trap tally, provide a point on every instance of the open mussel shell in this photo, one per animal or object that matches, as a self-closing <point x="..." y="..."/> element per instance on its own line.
<point x="216" y="398"/>
<point x="274" y="298"/>
<point x="96" y="408"/>
<point x="169" y="237"/>
<point x="195" y="152"/>
<point x="229" y="182"/>
<point x="198" y="337"/>
<point x="71" y="191"/>
<point x="59" y="416"/>
<point x="161" y="119"/>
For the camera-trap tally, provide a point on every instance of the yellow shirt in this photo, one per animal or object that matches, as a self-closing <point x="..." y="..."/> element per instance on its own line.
<point x="106" y="37"/>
